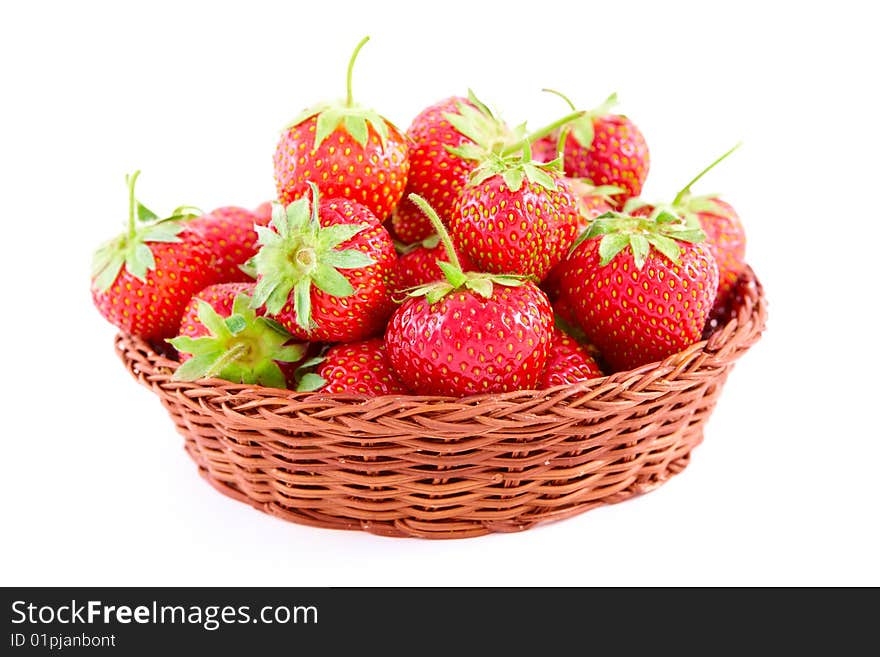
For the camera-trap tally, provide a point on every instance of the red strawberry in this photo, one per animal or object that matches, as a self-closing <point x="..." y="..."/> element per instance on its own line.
<point x="641" y="289"/>
<point x="228" y="233"/>
<point x="263" y="213"/>
<point x="349" y="151"/>
<point x="515" y="217"/>
<point x="544" y="149"/>
<point x="568" y="362"/>
<point x="323" y="268"/>
<point x="359" y="368"/>
<point x="726" y="238"/>
<point x="222" y="337"/>
<point x="438" y="169"/>
<point x="143" y="279"/>
<point x="725" y="234"/>
<point x="607" y="149"/>
<point x="419" y="266"/>
<point x="472" y="333"/>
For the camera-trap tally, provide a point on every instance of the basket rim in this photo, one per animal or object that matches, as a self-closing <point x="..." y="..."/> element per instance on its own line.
<point x="725" y="335"/>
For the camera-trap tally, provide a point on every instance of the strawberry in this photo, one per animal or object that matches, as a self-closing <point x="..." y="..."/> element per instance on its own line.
<point x="472" y="333"/>
<point x="640" y="288"/>
<point x="726" y="238"/>
<point x="349" y="151"/>
<point x="544" y="149"/>
<point x="438" y="169"/>
<point x="725" y="234"/>
<point x="228" y="233"/>
<point x="568" y="362"/>
<point x="300" y="264"/>
<point x="419" y="266"/>
<point x="263" y="213"/>
<point x="222" y="337"/>
<point x="358" y="368"/>
<point x="515" y="216"/>
<point x="143" y="279"/>
<point x="607" y="149"/>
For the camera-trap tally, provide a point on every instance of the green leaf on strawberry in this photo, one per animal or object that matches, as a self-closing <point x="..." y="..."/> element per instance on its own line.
<point x="242" y="348"/>
<point x="354" y="118"/>
<point x="583" y="128"/>
<point x="130" y="250"/>
<point x="297" y="252"/>
<point x="619" y="230"/>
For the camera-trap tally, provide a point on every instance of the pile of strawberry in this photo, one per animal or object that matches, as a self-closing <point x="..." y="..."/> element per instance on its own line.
<point x="464" y="256"/>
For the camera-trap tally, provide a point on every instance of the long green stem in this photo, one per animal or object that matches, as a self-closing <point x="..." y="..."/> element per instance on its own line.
<point x="132" y="203"/>
<point x="349" y="99"/>
<point x="560" y="148"/>
<point x="543" y="132"/>
<point x="442" y="233"/>
<point x="562" y="96"/>
<point x="687" y="188"/>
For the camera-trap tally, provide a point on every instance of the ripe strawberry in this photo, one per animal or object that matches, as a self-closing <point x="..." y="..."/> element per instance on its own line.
<point x="544" y="149"/>
<point x="222" y="337"/>
<point x="515" y="217"/>
<point x="438" y="168"/>
<point x="228" y="234"/>
<point x="143" y="279"/>
<point x="419" y="266"/>
<point x="358" y="368"/>
<point x="340" y="247"/>
<point x="607" y="149"/>
<point x="725" y="234"/>
<point x="568" y="362"/>
<point x="263" y="213"/>
<point x="472" y="333"/>
<point x="349" y="151"/>
<point x="641" y="289"/>
<point x="726" y="238"/>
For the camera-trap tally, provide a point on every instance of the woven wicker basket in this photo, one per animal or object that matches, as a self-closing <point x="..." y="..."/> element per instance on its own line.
<point x="435" y="467"/>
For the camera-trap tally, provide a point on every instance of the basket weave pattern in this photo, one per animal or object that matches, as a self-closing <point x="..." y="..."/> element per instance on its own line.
<point x="436" y="467"/>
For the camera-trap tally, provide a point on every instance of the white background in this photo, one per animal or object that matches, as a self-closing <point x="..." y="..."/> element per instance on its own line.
<point x="95" y="486"/>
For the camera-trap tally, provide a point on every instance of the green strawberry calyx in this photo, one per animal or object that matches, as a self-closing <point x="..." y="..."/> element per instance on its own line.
<point x="295" y="252"/>
<point x="242" y="348"/>
<point x="130" y="249"/>
<point x="353" y="118"/>
<point x="486" y="132"/>
<point x="456" y="278"/>
<point x="305" y="377"/>
<point x="664" y="232"/>
<point x="582" y="128"/>
<point x="515" y="169"/>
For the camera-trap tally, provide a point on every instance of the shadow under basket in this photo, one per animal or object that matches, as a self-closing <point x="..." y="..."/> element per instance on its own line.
<point x="436" y="467"/>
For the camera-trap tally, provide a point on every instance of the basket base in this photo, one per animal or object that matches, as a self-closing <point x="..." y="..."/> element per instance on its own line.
<point x="441" y="529"/>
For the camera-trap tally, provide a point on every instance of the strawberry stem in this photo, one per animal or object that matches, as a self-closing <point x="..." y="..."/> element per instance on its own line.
<point x="562" y="96"/>
<point x="560" y="149"/>
<point x="687" y="188"/>
<point x="543" y="132"/>
<point x="349" y="99"/>
<point x="132" y="203"/>
<point x="237" y="351"/>
<point x="442" y="233"/>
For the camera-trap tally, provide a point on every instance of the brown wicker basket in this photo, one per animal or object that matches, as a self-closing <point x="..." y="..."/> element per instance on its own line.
<point x="435" y="467"/>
